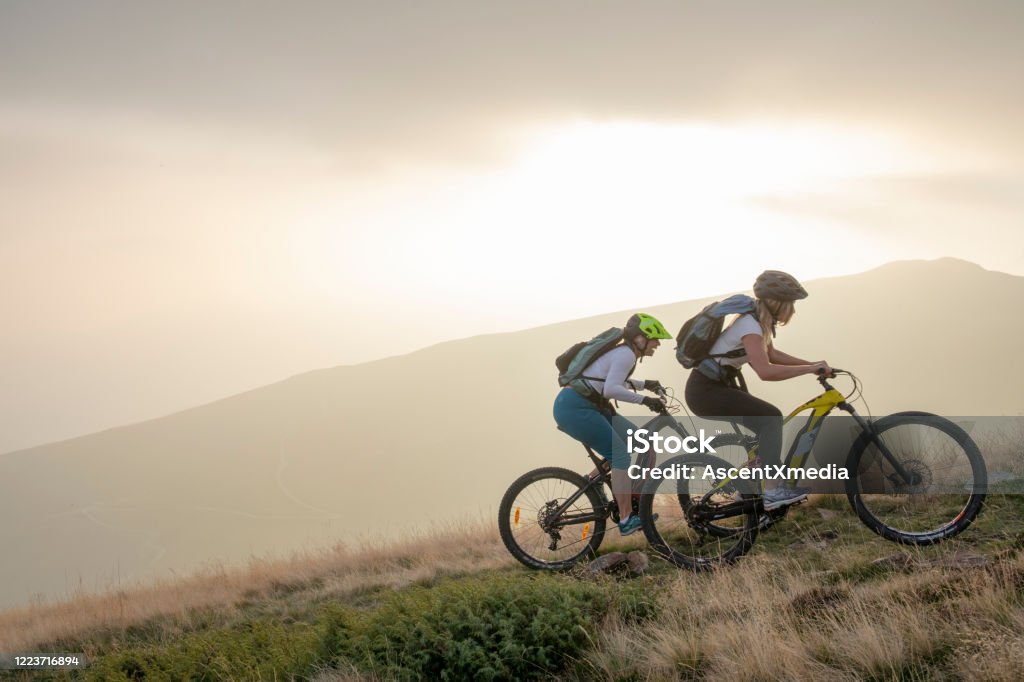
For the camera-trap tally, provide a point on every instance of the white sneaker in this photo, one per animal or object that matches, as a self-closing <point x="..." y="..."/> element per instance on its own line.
<point x="781" y="496"/>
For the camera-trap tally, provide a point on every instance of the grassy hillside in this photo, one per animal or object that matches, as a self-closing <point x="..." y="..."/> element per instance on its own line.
<point x="812" y="601"/>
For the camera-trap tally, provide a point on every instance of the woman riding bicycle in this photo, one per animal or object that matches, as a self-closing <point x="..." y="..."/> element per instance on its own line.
<point x="721" y="392"/>
<point x="590" y="421"/>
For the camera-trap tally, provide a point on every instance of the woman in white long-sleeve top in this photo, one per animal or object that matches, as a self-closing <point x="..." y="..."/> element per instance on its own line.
<point x="589" y="420"/>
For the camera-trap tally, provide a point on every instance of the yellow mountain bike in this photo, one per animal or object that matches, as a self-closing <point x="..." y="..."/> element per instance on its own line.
<point x="914" y="478"/>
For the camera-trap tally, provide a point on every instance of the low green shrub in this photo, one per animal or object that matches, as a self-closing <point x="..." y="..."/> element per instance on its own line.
<point x="252" y="650"/>
<point x="492" y="628"/>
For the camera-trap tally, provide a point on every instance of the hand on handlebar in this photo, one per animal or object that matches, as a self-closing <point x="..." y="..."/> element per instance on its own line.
<point x="823" y="370"/>
<point x="653" y="404"/>
<point x="654" y="386"/>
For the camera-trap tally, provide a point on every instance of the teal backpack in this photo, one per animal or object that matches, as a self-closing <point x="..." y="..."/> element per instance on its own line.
<point x="572" y="363"/>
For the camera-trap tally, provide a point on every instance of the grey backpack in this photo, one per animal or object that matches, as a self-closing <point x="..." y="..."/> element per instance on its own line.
<point x="572" y="363"/>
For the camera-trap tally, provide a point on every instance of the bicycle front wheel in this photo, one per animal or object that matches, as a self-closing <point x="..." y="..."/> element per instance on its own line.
<point x="541" y="530"/>
<point x="938" y="493"/>
<point x="694" y="529"/>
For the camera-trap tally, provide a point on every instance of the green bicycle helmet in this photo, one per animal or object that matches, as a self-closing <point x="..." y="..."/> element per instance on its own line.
<point x="778" y="285"/>
<point x="648" y="325"/>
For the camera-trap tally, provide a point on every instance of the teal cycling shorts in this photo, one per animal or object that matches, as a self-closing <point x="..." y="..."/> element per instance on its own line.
<point x="581" y="419"/>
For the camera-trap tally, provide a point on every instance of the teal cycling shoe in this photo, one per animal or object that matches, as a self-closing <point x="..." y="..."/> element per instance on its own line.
<point x="631" y="525"/>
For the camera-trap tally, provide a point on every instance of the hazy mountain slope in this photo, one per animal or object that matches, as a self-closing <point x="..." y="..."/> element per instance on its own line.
<point x="396" y="444"/>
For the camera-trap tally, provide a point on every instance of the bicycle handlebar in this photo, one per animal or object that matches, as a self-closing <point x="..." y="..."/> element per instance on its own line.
<point x="823" y="380"/>
<point x="661" y="393"/>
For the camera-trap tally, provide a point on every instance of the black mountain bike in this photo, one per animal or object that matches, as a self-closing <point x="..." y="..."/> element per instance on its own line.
<point x="551" y="518"/>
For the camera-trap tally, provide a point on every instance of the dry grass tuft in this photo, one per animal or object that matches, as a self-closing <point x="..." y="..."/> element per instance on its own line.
<point x="769" y="619"/>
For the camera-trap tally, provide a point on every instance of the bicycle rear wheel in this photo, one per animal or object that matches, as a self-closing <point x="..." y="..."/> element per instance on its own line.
<point x="536" y="533"/>
<point x="684" y="531"/>
<point x="941" y="491"/>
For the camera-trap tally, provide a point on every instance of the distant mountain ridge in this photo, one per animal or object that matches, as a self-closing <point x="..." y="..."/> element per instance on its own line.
<point x="364" y="451"/>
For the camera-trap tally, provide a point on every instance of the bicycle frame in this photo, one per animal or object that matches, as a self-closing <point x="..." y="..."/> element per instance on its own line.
<point x="820" y="407"/>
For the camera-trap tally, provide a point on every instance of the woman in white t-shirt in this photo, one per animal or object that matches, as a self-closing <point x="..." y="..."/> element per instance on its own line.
<point x="750" y="339"/>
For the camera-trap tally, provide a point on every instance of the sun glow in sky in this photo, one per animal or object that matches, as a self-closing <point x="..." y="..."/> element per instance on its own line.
<point x="235" y="261"/>
<point x="569" y="223"/>
<point x="207" y="200"/>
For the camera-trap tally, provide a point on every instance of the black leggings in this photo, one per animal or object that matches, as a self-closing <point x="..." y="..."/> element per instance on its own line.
<point x="709" y="398"/>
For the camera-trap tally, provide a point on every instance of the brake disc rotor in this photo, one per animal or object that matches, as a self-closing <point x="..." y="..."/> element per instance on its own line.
<point x="920" y="478"/>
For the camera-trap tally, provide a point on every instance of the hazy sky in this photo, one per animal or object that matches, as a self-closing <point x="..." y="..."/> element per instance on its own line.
<point x="199" y="198"/>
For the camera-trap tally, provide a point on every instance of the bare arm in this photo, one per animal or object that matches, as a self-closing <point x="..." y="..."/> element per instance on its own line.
<point x="777" y="357"/>
<point x="768" y="370"/>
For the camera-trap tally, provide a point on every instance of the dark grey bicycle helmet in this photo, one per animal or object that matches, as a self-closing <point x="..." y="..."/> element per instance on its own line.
<point x="778" y="285"/>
